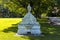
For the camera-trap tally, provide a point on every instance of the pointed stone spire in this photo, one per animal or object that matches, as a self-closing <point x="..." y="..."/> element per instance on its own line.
<point x="29" y="8"/>
<point x="28" y="18"/>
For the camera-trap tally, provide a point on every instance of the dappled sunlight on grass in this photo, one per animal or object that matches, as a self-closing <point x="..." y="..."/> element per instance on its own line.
<point x="8" y="29"/>
<point x="7" y="22"/>
<point x="11" y="36"/>
<point x="9" y="26"/>
<point x="13" y="28"/>
<point x="50" y="29"/>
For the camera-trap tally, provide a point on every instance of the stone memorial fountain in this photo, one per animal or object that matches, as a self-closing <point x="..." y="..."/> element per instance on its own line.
<point x="29" y="24"/>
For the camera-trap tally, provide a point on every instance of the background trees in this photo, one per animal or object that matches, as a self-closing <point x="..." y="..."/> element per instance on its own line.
<point x="17" y="8"/>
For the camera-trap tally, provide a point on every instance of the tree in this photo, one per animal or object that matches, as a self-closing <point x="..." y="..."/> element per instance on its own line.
<point x="38" y="6"/>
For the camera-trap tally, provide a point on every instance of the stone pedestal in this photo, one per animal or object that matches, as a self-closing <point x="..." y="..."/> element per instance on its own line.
<point x="34" y="30"/>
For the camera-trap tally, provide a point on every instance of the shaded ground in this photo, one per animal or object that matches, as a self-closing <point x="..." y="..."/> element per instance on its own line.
<point x="13" y="28"/>
<point x="50" y="32"/>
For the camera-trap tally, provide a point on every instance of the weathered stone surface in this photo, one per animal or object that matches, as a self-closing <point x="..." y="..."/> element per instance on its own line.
<point x="29" y="24"/>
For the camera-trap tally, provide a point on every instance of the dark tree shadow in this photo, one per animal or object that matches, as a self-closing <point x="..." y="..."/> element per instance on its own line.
<point x="50" y="32"/>
<point x="46" y="28"/>
<point x="13" y="28"/>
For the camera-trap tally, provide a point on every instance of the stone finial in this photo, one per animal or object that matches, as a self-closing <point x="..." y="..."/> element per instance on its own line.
<point x="29" y="8"/>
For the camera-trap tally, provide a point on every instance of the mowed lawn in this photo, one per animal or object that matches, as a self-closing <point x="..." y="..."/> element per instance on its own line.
<point x="8" y="22"/>
<point x="9" y="26"/>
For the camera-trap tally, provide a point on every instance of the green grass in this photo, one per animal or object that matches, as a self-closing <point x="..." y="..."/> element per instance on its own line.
<point x="8" y="29"/>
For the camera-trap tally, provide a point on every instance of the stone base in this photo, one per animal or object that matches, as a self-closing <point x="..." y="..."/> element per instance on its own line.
<point x="27" y="35"/>
<point x="29" y="32"/>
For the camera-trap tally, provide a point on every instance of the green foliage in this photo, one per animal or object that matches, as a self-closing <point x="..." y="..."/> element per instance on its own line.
<point x="38" y="6"/>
